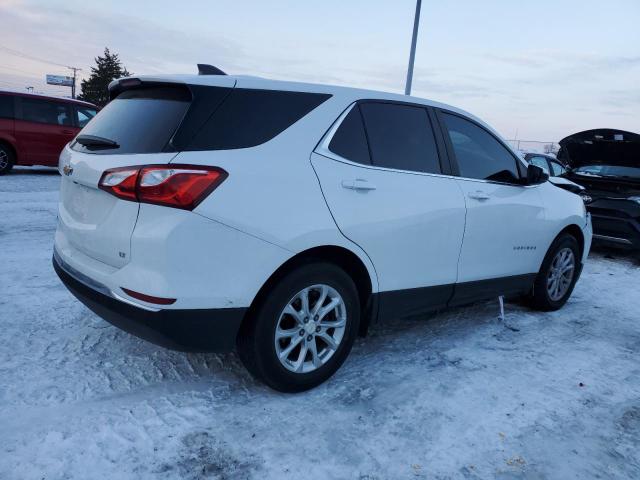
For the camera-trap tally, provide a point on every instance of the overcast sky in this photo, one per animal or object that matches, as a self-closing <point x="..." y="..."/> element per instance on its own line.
<point x="542" y="68"/>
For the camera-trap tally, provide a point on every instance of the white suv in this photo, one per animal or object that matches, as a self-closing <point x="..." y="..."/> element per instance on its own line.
<point x="208" y="212"/>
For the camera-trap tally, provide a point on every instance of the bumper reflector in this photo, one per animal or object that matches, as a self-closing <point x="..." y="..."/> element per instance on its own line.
<point x="148" y="298"/>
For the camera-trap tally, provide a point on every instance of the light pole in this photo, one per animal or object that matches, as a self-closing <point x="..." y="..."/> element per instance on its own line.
<point x="412" y="55"/>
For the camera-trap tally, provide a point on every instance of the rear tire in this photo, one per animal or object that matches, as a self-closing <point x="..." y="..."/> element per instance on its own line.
<point x="292" y="344"/>
<point x="7" y="159"/>
<point x="558" y="275"/>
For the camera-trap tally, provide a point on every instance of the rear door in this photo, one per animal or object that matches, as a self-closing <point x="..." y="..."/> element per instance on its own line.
<point x="42" y="128"/>
<point x="380" y="172"/>
<point x="506" y="229"/>
<point x="143" y="122"/>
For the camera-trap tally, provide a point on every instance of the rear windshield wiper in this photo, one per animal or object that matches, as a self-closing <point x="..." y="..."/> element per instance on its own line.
<point x="95" y="141"/>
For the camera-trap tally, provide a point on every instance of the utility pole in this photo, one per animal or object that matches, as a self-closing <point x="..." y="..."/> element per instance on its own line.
<point x="412" y="55"/>
<point x="73" y="86"/>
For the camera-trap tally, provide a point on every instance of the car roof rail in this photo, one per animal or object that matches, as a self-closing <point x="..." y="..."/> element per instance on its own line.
<point x="205" y="69"/>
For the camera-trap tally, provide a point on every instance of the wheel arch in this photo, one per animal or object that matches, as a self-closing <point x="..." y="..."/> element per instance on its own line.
<point x="11" y="146"/>
<point x="344" y="258"/>
<point x="575" y="231"/>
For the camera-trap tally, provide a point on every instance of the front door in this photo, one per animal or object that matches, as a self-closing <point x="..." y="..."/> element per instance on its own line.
<point x="504" y="239"/>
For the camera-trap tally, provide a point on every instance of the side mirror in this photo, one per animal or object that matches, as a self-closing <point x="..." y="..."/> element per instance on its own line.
<point x="536" y="175"/>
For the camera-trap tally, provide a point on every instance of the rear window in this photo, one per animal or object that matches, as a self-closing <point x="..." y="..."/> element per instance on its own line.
<point x="248" y="118"/>
<point x="170" y="118"/>
<point x="6" y="106"/>
<point x="140" y="120"/>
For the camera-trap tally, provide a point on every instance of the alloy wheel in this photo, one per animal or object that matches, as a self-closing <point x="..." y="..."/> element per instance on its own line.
<point x="561" y="274"/>
<point x="4" y="159"/>
<point x="310" y="328"/>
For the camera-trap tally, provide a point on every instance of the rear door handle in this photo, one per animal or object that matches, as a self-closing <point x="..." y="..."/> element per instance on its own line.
<point x="67" y="132"/>
<point x="479" y="195"/>
<point x="358" y="184"/>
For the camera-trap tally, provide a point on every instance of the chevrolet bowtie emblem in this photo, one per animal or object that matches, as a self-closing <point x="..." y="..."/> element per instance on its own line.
<point x="67" y="170"/>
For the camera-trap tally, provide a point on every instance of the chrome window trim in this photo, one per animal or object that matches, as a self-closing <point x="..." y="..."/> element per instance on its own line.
<point x="323" y="150"/>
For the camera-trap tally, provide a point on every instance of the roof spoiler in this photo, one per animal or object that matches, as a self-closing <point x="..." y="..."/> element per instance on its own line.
<point x="205" y="69"/>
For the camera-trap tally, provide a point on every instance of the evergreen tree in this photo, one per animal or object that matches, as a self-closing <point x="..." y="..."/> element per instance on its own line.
<point x="95" y="88"/>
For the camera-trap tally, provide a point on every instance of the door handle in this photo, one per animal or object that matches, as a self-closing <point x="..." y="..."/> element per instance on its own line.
<point x="358" y="184"/>
<point x="67" y="132"/>
<point x="479" y="195"/>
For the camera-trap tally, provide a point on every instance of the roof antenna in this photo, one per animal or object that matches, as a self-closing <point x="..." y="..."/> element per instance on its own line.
<point x="205" y="69"/>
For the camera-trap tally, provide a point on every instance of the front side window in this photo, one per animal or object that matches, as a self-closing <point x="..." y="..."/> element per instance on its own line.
<point x="478" y="153"/>
<point x="540" y="162"/>
<point x="350" y="139"/>
<point x="84" y="114"/>
<point x="46" y="111"/>
<point x="400" y="137"/>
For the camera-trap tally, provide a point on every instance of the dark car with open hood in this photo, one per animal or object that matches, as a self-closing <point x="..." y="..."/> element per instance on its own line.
<point x="606" y="162"/>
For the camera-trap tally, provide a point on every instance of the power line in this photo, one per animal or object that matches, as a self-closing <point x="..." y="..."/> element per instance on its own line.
<point x="30" y="57"/>
<point x="17" y="70"/>
<point x="38" y="59"/>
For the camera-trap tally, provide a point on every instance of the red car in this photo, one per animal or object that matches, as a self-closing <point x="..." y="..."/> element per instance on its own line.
<point x="35" y="128"/>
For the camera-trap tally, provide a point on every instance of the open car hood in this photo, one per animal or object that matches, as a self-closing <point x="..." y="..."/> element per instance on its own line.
<point x="602" y="146"/>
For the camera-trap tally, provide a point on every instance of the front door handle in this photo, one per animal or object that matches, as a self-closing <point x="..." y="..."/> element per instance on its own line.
<point x="358" y="184"/>
<point x="479" y="195"/>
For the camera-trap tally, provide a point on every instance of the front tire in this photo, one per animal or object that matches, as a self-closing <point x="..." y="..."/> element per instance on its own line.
<point x="302" y="330"/>
<point x="6" y="159"/>
<point x="558" y="275"/>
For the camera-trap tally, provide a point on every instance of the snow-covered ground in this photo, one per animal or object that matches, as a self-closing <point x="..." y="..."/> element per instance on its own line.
<point x="457" y="395"/>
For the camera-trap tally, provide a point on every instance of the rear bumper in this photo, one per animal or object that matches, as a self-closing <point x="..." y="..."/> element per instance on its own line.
<point x="189" y="330"/>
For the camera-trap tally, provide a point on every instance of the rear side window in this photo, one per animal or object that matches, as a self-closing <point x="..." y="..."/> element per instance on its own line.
<point x="6" y="106"/>
<point x="247" y="118"/>
<point x="350" y="139"/>
<point x="400" y="137"/>
<point x="478" y="153"/>
<point x="140" y="120"/>
<point x="45" y="111"/>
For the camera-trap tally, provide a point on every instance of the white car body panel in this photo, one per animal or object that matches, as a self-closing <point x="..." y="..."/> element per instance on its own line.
<point x="410" y="245"/>
<point x="504" y="233"/>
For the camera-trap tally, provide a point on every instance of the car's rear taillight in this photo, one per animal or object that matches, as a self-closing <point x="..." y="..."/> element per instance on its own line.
<point x="120" y="182"/>
<point x="177" y="186"/>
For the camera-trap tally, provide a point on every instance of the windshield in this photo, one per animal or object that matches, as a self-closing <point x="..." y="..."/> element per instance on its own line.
<point x="609" y="171"/>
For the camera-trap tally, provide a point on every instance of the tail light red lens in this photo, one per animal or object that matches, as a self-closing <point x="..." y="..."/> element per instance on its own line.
<point x="177" y="186"/>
